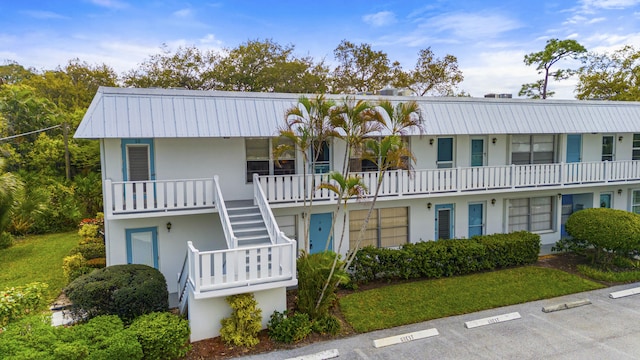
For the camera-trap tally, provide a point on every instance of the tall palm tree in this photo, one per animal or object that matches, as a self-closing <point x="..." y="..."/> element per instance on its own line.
<point x="307" y="127"/>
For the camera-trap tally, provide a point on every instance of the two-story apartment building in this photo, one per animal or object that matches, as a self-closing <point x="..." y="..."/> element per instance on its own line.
<point x="191" y="186"/>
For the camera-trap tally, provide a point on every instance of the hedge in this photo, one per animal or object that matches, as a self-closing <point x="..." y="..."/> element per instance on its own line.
<point x="442" y="258"/>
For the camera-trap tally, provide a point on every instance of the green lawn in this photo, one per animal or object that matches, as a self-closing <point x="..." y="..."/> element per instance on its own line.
<point x="37" y="258"/>
<point x="409" y="303"/>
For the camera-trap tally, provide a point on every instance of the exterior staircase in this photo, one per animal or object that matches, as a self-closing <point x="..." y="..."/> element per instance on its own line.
<point x="247" y="223"/>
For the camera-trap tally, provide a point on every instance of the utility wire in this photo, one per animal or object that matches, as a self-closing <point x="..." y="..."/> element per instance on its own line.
<point x="29" y="133"/>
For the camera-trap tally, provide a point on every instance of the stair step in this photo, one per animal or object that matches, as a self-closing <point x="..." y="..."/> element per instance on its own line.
<point x="253" y="229"/>
<point x="244" y="208"/>
<point x="247" y="222"/>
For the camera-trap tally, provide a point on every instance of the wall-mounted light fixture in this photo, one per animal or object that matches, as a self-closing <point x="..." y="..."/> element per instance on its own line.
<point x="494" y="141"/>
<point x="431" y="141"/>
<point x="559" y="196"/>
<point x="169" y="226"/>
<point x="493" y="202"/>
<point x="429" y="206"/>
<point x="620" y="138"/>
<point x="619" y="191"/>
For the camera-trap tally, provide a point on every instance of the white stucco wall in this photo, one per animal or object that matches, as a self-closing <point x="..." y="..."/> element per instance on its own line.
<point x="203" y="230"/>
<point x="205" y="314"/>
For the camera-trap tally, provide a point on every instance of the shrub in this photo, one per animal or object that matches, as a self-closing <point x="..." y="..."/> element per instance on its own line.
<point x="313" y="272"/>
<point x="435" y="259"/>
<point x="289" y="329"/>
<point x="73" y="266"/>
<point x="91" y="250"/>
<point x="162" y="335"/>
<point x="124" y="290"/>
<point x="16" y="302"/>
<point x="6" y="240"/>
<point x="328" y="324"/>
<point x="97" y="263"/>
<point x="32" y="337"/>
<point x="608" y="275"/>
<point x="242" y="327"/>
<point x="609" y="231"/>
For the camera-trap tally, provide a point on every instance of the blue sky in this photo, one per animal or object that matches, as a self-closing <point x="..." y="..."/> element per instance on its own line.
<point x="489" y="38"/>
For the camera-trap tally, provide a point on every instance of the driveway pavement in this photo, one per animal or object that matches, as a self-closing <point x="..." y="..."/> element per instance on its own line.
<point x="605" y="329"/>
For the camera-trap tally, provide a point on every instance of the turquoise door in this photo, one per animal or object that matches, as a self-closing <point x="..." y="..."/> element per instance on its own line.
<point x="444" y="221"/>
<point x="445" y="153"/>
<point x="320" y="232"/>
<point x="574" y="148"/>
<point x="477" y="152"/>
<point x="142" y="246"/>
<point x="567" y="210"/>
<point x="605" y="200"/>
<point x="476" y="217"/>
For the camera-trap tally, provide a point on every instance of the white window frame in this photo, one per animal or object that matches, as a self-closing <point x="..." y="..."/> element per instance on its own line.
<point x="635" y="201"/>
<point x="635" y="147"/>
<point x="272" y="167"/>
<point x="531" y="210"/>
<point x="612" y="156"/>
<point x="375" y="228"/>
<point x="532" y="144"/>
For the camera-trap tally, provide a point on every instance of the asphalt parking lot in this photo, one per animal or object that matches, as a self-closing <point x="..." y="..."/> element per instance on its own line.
<point x="605" y="329"/>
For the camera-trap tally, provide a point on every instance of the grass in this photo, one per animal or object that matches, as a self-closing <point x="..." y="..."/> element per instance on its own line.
<point x="413" y="302"/>
<point x="37" y="258"/>
<point x="610" y="276"/>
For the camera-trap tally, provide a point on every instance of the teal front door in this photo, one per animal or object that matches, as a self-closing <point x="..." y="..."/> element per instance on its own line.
<point x="476" y="219"/>
<point x="444" y="221"/>
<point x="574" y="148"/>
<point x="320" y="232"/>
<point x="142" y="246"/>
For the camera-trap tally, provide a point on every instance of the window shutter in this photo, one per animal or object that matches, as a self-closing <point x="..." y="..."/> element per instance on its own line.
<point x="138" y="163"/>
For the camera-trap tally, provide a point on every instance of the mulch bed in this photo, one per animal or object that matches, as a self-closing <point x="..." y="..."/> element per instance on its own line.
<point x="216" y="349"/>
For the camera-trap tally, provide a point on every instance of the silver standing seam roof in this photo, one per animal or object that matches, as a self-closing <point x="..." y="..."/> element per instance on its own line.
<point x="171" y="113"/>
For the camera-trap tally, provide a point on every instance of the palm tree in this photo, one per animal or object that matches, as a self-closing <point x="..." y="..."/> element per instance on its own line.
<point x="307" y="127"/>
<point x="9" y="187"/>
<point x="390" y="152"/>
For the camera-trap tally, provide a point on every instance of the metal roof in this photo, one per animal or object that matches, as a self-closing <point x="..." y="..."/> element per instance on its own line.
<point x="171" y="113"/>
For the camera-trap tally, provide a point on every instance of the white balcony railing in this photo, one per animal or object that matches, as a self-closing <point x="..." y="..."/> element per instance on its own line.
<point x="241" y="267"/>
<point x="126" y="197"/>
<point x="289" y="188"/>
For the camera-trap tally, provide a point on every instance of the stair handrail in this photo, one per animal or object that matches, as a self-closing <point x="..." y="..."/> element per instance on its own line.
<point x="183" y="276"/>
<point x="232" y="240"/>
<point x="275" y="235"/>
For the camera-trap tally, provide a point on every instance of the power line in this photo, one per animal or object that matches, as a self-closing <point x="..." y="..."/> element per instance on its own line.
<point x="30" y="132"/>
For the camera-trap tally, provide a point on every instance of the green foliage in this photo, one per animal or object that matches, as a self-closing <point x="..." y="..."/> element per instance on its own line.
<point x="74" y="266"/>
<point x="124" y="290"/>
<point x="430" y="76"/>
<point x="242" y="327"/>
<point x="609" y="232"/>
<point x="444" y="258"/>
<point x="610" y="76"/>
<point x="360" y="68"/>
<point x="88" y="189"/>
<point x="16" y="302"/>
<point x="289" y="329"/>
<point x="101" y="338"/>
<point x="6" y="240"/>
<point x="91" y="250"/>
<point x="609" y="275"/>
<point x="162" y="335"/>
<point x="328" y="324"/>
<point x="313" y="273"/>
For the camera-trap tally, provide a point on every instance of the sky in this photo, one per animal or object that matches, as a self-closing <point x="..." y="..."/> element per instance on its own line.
<point x="489" y="38"/>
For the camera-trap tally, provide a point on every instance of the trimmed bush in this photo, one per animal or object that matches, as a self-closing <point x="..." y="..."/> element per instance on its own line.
<point x="91" y="250"/>
<point x="313" y="271"/>
<point x="289" y="329"/>
<point x="242" y="327"/>
<point x="15" y="302"/>
<point x="74" y="266"/>
<point x="442" y="258"/>
<point x="162" y="335"/>
<point x="6" y="240"/>
<point x="609" y="231"/>
<point x="124" y="290"/>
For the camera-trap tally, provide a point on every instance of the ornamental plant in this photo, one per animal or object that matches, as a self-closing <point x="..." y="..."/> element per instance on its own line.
<point x="242" y="327"/>
<point x="16" y="302"/>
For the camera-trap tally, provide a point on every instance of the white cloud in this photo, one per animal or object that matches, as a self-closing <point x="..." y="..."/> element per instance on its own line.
<point x="473" y="25"/>
<point x="110" y="4"/>
<point x="608" y="4"/>
<point x="381" y="18"/>
<point x="43" y="15"/>
<point x="183" y="13"/>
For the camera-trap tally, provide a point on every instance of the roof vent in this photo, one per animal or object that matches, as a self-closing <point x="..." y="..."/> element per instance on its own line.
<point x="498" y="96"/>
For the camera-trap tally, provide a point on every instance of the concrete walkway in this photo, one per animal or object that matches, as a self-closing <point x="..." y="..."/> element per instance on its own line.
<point x="605" y="329"/>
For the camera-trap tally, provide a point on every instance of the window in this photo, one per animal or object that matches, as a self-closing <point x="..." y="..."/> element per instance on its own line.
<point x="322" y="163"/>
<point x="445" y="153"/>
<point x="531" y="214"/>
<point x="607" y="148"/>
<point x="260" y="160"/>
<point x="532" y="149"/>
<point x="635" y="155"/>
<point x="387" y="227"/>
<point x="358" y="162"/>
<point x="635" y="202"/>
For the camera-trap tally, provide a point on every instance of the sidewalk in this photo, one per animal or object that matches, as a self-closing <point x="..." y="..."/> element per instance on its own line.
<point x="605" y="329"/>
